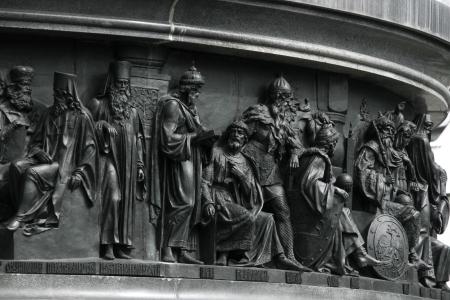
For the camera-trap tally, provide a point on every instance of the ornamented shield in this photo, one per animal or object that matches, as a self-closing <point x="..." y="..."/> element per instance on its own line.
<point x="387" y="240"/>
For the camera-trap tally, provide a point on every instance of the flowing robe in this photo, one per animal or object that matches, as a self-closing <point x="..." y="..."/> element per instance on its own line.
<point x="12" y="146"/>
<point x="430" y="174"/>
<point x="176" y="170"/>
<point x="121" y="156"/>
<point x="318" y="240"/>
<point x="241" y="225"/>
<point x="38" y="188"/>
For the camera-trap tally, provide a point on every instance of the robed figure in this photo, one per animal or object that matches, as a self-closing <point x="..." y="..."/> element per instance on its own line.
<point x="177" y="170"/>
<point x="325" y="233"/>
<point x="434" y="204"/>
<point x="120" y="137"/>
<point x="245" y="235"/>
<point x="385" y="180"/>
<point x="62" y="155"/>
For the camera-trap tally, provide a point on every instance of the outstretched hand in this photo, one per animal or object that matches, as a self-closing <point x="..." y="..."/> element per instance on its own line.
<point x="103" y="125"/>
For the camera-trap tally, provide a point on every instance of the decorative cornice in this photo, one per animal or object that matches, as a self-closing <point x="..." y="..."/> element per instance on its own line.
<point x="436" y="94"/>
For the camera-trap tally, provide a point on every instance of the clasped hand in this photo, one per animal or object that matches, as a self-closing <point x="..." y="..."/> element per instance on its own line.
<point x="103" y="125"/>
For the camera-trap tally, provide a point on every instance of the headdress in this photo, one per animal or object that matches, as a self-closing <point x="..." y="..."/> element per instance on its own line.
<point x="20" y="73"/>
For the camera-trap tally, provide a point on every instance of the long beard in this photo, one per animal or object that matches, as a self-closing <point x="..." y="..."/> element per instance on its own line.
<point x="58" y="109"/>
<point x="387" y="141"/>
<point x="234" y="145"/>
<point x="19" y="98"/>
<point x="120" y="105"/>
<point x="62" y="105"/>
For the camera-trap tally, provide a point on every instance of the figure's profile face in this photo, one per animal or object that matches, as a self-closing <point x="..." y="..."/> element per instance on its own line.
<point x="332" y="148"/>
<point x="402" y="139"/>
<point x="193" y="95"/>
<point x="121" y="85"/>
<point x="236" y="138"/>
<point x="387" y="134"/>
<point x="428" y="126"/>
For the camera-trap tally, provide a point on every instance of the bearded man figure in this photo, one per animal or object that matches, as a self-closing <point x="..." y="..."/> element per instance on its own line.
<point x="384" y="180"/>
<point x="271" y="139"/>
<point x="246" y="236"/>
<point x="62" y="154"/>
<point x="120" y="135"/>
<point x="14" y="111"/>
<point x="177" y="169"/>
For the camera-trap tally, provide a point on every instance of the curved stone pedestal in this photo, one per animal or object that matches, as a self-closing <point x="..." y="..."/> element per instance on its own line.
<point x="137" y="279"/>
<point x="28" y="286"/>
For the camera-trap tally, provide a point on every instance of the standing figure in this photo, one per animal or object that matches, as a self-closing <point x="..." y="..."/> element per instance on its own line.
<point x="177" y="169"/>
<point x="325" y="230"/>
<point x="120" y="136"/>
<point x="270" y="140"/>
<point x="62" y="154"/>
<point x="434" y="204"/>
<point x="231" y="190"/>
<point x="384" y="180"/>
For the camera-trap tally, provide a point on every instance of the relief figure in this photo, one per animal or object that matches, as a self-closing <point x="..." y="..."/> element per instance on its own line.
<point x="62" y="155"/>
<point x="120" y="139"/>
<point x="245" y="235"/>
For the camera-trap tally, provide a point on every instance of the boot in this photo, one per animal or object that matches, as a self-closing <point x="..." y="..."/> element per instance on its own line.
<point x="185" y="258"/>
<point x="121" y="254"/>
<point x="417" y="262"/>
<point x="363" y="259"/>
<point x="13" y="224"/>
<point x="222" y="259"/>
<point x="109" y="253"/>
<point x="442" y="285"/>
<point x="167" y="255"/>
<point x="285" y="263"/>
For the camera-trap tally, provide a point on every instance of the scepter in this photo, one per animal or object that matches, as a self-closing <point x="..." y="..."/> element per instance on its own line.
<point x="384" y="156"/>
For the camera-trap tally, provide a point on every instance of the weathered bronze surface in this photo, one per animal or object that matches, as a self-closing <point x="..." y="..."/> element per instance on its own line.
<point x="387" y="239"/>
<point x="62" y="155"/>
<point x="121" y="169"/>
<point x="223" y="195"/>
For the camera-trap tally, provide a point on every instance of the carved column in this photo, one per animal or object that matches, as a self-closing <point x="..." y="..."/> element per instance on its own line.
<point x="147" y="86"/>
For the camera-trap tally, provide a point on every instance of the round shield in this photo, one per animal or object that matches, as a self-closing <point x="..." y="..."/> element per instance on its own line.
<point x="387" y="240"/>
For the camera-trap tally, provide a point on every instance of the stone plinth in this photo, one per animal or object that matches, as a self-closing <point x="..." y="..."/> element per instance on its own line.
<point x="139" y="279"/>
<point x="77" y="235"/>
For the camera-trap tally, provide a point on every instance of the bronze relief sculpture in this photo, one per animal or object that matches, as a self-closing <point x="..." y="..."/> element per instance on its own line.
<point x="120" y="139"/>
<point x="271" y="139"/>
<point x="235" y="186"/>
<point x="326" y="234"/>
<point x="177" y="161"/>
<point x="246" y="236"/>
<point x="61" y="156"/>
<point x="385" y="179"/>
